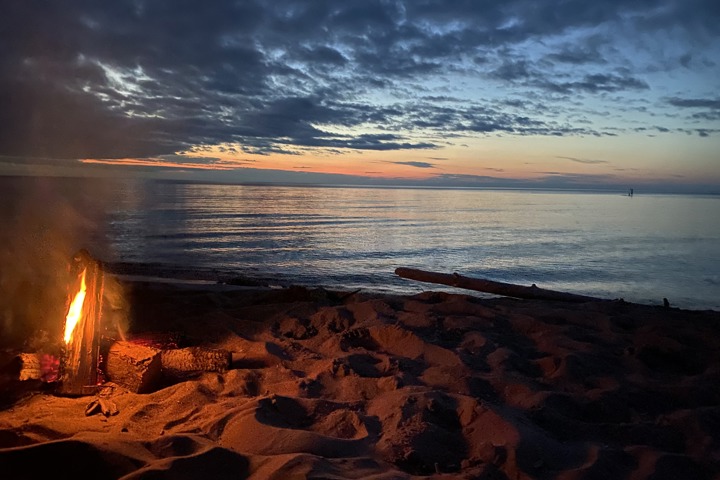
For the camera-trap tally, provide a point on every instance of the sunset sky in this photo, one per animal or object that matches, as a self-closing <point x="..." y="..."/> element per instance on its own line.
<point x="552" y="93"/>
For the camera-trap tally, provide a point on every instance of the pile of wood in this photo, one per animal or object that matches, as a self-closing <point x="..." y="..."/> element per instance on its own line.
<point x="141" y="368"/>
<point x="135" y="366"/>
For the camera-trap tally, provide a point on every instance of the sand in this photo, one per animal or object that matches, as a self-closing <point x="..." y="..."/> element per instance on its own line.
<point x="336" y="385"/>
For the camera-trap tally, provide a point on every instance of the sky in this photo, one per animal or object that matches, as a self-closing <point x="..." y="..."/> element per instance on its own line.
<point x="511" y="93"/>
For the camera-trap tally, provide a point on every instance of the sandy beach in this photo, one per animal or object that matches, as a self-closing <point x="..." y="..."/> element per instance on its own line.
<point x="349" y="385"/>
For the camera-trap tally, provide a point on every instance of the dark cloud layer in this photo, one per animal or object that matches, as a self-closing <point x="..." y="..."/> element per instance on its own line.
<point x="146" y="78"/>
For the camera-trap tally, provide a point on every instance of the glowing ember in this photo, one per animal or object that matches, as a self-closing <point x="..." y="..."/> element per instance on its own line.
<point x="75" y="311"/>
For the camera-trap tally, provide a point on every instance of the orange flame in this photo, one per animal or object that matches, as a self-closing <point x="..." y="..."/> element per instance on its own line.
<point x="75" y="311"/>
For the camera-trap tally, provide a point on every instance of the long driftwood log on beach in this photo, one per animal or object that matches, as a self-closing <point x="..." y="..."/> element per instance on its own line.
<point x="489" y="286"/>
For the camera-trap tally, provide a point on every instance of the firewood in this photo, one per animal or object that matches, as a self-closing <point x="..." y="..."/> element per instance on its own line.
<point x="489" y="286"/>
<point x="29" y="367"/>
<point x="79" y="372"/>
<point x="185" y="362"/>
<point x="141" y="368"/>
<point x="36" y="366"/>
<point x="135" y="367"/>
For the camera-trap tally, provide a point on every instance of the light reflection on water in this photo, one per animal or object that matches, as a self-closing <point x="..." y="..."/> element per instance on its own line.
<point x="642" y="248"/>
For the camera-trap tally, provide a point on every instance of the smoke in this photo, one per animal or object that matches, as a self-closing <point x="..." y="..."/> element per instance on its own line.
<point x="116" y="309"/>
<point x="43" y="223"/>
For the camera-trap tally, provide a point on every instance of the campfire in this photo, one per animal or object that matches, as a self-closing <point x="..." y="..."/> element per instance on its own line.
<point x="71" y="363"/>
<point x="92" y="350"/>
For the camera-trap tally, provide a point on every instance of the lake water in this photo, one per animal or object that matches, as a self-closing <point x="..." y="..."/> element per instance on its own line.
<point x="640" y="248"/>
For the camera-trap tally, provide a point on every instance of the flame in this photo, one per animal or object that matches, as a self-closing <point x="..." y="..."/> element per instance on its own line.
<point x="75" y="311"/>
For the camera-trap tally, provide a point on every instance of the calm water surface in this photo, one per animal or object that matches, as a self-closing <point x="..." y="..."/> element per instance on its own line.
<point x="641" y="249"/>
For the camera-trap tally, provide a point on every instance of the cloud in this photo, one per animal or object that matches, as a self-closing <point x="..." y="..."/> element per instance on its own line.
<point x="712" y="116"/>
<point x="586" y="161"/>
<point x="189" y="159"/>
<point x="522" y="71"/>
<point x="151" y="78"/>
<point x="595" y="83"/>
<point x="416" y="164"/>
<point x="710" y="113"/>
<point x="321" y="54"/>
<point x="711" y="103"/>
<point x="511" y="70"/>
<point x="168" y="162"/>
<point x="577" y="55"/>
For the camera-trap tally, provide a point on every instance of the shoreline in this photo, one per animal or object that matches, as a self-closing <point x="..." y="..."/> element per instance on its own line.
<point x="209" y="276"/>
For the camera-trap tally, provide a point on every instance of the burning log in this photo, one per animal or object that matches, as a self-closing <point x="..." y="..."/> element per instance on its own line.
<point x="79" y="365"/>
<point x="29" y="364"/>
<point x="37" y="366"/>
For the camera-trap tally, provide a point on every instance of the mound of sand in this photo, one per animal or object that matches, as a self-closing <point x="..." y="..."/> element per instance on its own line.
<point x="347" y="386"/>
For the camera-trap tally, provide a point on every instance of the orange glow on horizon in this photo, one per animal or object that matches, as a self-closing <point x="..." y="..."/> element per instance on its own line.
<point x="359" y="165"/>
<point x="532" y="158"/>
<point x="351" y="164"/>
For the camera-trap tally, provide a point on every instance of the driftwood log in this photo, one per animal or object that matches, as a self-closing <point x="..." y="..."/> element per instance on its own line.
<point x="489" y="286"/>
